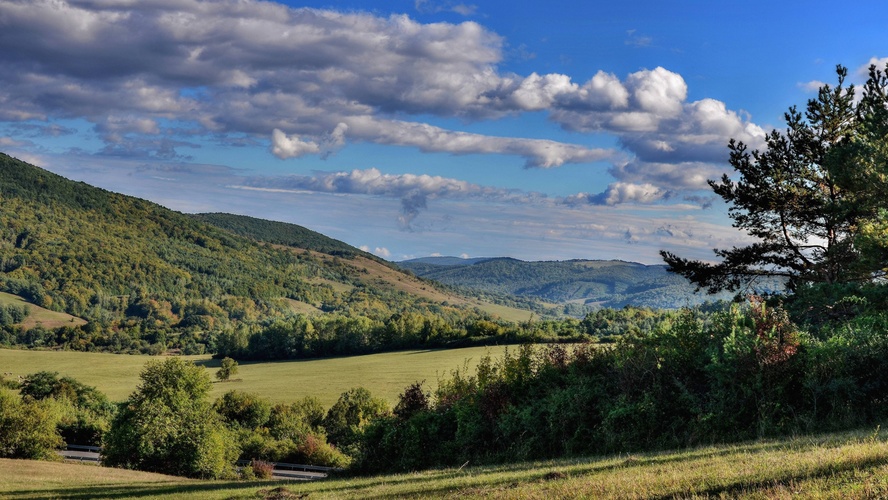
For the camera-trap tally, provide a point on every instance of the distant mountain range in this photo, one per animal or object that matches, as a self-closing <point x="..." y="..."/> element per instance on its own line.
<point x="597" y="283"/>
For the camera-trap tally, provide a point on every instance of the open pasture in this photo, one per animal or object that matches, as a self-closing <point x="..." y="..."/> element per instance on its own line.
<point x="385" y="375"/>
<point x="40" y="316"/>
<point x="846" y="465"/>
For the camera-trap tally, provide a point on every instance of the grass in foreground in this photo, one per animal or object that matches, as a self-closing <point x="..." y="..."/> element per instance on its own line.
<point x="384" y="375"/>
<point x="846" y="465"/>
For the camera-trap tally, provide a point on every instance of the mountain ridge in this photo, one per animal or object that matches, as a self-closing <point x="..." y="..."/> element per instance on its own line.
<point x="594" y="283"/>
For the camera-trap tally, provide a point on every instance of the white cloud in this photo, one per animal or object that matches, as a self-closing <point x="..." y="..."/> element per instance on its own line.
<point x="658" y="91"/>
<point x="429" y="6"/>
<point x="284" y="146"/>
<point x="879" y="62"/>
<point x="812" y="86"/>
<point x="382" y="252"/>
<point x="311" y="80"/>
<point x="624" y="192"/>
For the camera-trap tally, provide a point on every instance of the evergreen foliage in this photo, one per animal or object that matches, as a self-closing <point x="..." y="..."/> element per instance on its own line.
<point x="814" y="198"/>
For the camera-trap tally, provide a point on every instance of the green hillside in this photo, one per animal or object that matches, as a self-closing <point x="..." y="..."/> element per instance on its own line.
<point x="605" y="283"/>
<point x="149" y="279"/>
<point x="280" y="233"/>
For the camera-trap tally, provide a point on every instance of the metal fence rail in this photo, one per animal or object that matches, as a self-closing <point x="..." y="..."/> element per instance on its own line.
<point x="282" y="470"/>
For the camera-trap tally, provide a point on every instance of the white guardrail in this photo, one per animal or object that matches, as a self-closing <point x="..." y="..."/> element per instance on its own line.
<point x="280" y="470"/>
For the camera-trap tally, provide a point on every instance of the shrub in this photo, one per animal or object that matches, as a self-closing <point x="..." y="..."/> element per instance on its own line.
<point x="261" y="469"/>
<point x="168" y="426"/>
<point x="28" y="428"/>
<point x="227" y="369"/>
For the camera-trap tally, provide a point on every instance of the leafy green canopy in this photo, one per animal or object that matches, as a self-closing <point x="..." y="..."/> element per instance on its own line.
<point x="814" y="198"/>
<point x="169" y="426"/>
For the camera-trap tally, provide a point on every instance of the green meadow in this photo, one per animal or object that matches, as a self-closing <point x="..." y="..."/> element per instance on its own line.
<point x="39" y="316"/>
<point x="845" y="465"/>
<point x="385" y="375"/>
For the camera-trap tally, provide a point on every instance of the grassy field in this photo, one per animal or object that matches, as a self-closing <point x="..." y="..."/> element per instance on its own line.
<point x="39" y="315"/>
<point x="384" y="375"/>
<point x="847" y="465"/>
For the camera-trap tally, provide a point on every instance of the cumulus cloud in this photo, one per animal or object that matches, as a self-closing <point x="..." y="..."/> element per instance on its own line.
<point x="618" y="193"/>
<point x="812" y="86"/>
<point x="879" y="62"/>
<point x="308" y="81"/>
<point x="284" y="146"/>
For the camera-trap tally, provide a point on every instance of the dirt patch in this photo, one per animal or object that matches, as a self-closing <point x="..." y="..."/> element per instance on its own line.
<point x="554" y="476"/>
<point x="279" y="493"/>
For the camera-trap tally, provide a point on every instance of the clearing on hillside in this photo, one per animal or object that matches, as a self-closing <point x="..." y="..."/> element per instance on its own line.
<point x="40" y="316"/>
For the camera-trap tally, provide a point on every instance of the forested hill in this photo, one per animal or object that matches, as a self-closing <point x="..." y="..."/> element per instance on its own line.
<point x="77" y="248"/>
<point x="606" y="283"/>
<point x="281" y="233"/>
<point x="143" y="275"/>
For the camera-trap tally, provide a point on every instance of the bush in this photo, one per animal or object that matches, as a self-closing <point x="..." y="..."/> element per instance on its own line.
<point x="353" y="410"/>
<point x="243" y="409"/>
<point x="85" y="413"/>
<point x="227" y="369"/>
<point x="28" y="428"/>
<point x="168" y="426"/>
<point x="695" y="378"/>
<point x="261" y="470"/>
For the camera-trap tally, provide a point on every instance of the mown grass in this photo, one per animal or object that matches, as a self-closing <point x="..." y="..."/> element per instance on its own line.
<point x="844" y="465"/>
<point x="384" y="375"/>
<point x="40" y="316"/>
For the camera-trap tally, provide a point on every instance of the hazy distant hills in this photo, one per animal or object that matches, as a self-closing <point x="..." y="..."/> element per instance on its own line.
<point x="605" y="283"/>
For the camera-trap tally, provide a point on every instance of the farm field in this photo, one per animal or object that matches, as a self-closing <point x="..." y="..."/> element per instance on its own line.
<point x="384" y="375"/>
<point x="845" y="465"/>
<point x="40" y="316"/>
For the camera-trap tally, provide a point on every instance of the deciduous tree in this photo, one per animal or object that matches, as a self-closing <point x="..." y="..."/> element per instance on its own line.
<point x="168" y="425"/>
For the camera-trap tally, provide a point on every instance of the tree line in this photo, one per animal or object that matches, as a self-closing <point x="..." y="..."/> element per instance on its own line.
<point x="169" y="425"/>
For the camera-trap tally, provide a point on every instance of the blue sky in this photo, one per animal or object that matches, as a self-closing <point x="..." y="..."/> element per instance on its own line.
<point x="538" y="130"/>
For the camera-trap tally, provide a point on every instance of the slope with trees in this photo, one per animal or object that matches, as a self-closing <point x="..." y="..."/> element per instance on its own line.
<point x="148" y="279"/>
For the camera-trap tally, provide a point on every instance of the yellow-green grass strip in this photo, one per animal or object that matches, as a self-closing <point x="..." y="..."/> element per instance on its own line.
<point x="842" y="465"/>
<point x="384" y="375"/>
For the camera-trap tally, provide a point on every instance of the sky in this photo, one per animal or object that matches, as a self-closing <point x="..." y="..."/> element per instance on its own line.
<point x="409" y="128"/>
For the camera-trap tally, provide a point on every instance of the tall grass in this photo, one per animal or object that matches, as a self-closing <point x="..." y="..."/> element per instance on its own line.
<point x="844" y="465"/>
